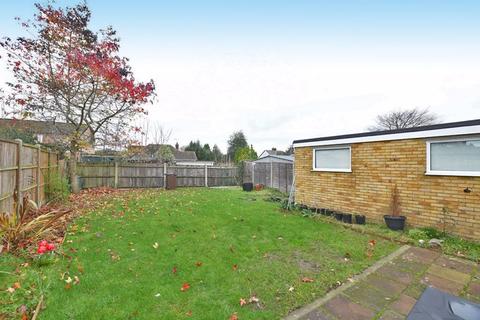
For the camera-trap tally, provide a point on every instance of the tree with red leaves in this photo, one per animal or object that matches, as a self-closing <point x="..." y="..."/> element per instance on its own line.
<point x="64" y="72"/>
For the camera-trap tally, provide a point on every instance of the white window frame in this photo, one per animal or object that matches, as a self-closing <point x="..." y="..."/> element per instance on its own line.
<point x="430" y="172"/>
<point x="333" y="148"/>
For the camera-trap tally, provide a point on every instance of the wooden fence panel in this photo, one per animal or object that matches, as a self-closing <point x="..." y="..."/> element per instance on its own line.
<point x="273" y="175"/>
<point x="32" y="173"/>
<point x="146" y="175"/>
<point x="8" y="174"/>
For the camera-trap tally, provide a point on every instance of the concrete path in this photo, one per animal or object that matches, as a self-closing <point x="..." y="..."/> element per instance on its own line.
<point x="390" y="288"/>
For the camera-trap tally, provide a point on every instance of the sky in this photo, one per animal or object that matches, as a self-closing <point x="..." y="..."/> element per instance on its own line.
<point x="284" y="70"/>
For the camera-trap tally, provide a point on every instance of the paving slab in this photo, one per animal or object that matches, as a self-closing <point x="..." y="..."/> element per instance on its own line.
<point x="389" y="289"/>
<point x="449" y="286"/>
<point x="391" y="315"/>
<point x="456" y="264"/>
<point x="403" y="304"/>
<point x="392" y="271"/>
<point x="343" y="308"/>
<point x="449" y="274"/>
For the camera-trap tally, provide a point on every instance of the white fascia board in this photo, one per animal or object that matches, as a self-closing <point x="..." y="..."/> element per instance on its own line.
<point x="395" y="136"/>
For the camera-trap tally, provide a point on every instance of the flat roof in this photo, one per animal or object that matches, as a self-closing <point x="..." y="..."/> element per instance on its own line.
<point x="436" y="130"/>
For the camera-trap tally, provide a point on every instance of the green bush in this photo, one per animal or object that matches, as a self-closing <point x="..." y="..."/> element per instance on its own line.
<point x="58" y="188"/>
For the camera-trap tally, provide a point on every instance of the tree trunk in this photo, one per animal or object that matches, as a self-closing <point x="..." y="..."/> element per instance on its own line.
<point x="72" y="165"/>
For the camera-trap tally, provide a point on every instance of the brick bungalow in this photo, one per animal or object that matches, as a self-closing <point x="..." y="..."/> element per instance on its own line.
<point x="436" y="170"/>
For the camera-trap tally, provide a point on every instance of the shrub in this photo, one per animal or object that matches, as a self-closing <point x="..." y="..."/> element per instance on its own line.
<point x="58" y="188"/>
<point x="29" y="225"/>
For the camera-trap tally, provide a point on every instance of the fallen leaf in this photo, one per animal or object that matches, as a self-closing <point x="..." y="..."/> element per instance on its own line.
<point x="185" y="287"/>
<point x="242" y="302"/>
<point x="253" y="299"/>
<point x="234" y="316"/>
<point x="11" y="290"/>
<point x="155" y="245"/>
<point x="198" y="264"/>
<point x="76" y="280"/>
<point x="307" y="280"/>
<point x="174" y="270"/>
<point x="16" y="285"/>
<point x="158" y="295"/>
<point x="234" y="267"/>
<point x="189" y="313"/>
<point x="291" y="289"/>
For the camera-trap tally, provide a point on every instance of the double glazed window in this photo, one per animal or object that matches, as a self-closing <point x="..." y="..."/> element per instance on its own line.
<point x="336" y="159"/>
<point x="458" y="157"/>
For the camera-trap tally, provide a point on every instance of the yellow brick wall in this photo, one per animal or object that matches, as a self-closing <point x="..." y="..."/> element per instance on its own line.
<point x="376" y="168"/>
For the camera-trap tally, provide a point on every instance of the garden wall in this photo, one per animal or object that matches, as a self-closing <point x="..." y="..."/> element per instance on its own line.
<point x="434" y="201"/>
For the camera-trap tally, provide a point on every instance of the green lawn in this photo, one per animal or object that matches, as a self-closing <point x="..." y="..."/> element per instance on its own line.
<point x="246" y="247"/>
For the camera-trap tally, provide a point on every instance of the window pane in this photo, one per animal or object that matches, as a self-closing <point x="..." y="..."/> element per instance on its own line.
<point x="333" y="159"/>
<point x="455" y="156"/>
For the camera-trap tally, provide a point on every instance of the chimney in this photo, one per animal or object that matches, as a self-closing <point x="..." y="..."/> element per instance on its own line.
<point x="176" y="146"/>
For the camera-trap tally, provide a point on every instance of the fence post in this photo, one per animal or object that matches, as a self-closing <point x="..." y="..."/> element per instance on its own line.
<point x="37" y="198"/>
<point x="206" y="176"/>
<point x="253" y="172"/>
<point x="271" y="174"/>
<point x="115" y="179"/>
<point x="18" y="185"/>
<point x="164" y="175"/>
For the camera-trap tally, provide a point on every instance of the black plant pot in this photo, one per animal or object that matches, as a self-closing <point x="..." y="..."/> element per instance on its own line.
<point x="247" y="186"/>
<point x="359" y="219"/>
<point x="395" y="222"/>
<point x="347" y="218"/>
<point x="339" y="216"/>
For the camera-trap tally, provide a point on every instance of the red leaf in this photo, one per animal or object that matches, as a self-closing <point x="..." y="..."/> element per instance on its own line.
<point x="242" y="302"/>
<point x="174" y="270"/>
<point x="234" y="317"/>
<point x="185" y="287"/>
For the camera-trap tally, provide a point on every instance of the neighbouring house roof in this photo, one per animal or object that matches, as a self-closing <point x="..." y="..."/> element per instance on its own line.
<point x="276" y="158"/>
<point x="148" y="153"/>
<point x="272" y="152"/>
<point x="438" y="130"/>
<point x="39" y="127"/>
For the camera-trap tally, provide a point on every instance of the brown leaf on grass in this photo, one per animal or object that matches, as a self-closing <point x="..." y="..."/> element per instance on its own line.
<point x="307" y="280"/>
<point x="189" y="313"/>
<point x="235" y="267"/>
<point x="174" y="270"/>
<point x="242" y="302"/>
<point x="17" y="285"/>
<point x="233" y="316"/>
<point x="198" y="263"/>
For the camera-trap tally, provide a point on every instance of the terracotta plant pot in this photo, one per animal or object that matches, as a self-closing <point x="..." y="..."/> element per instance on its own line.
<point x="395" y="222"/>
<point x="258" y="187"/>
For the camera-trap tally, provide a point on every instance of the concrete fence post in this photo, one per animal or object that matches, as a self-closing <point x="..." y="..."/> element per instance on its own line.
<point x="206" y="176"/>
<point x="253" y="173"/>
<point x="115" y="179"/>
<point x="271" y="174"/>
<point x="164" y="175"/>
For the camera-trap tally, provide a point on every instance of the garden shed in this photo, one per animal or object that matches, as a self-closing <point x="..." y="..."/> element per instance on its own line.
<point x="436" y="170"/>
